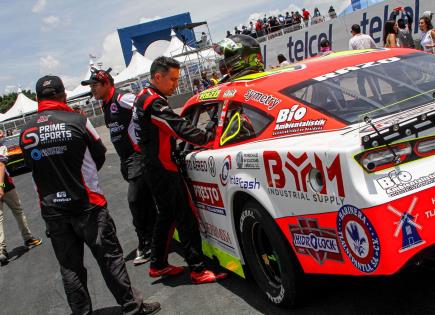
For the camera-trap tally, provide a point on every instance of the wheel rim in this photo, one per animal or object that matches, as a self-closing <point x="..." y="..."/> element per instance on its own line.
<point x="266" y="255"/>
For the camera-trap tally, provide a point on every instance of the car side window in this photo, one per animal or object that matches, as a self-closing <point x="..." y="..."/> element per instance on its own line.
<point x="243" y="122"/>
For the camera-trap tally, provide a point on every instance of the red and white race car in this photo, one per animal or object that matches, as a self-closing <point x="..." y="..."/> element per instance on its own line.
<point x="323" y="167"/>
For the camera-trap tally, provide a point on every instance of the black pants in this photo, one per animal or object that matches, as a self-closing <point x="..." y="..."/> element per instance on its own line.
<point x="173" y="207"/>
<point x="142" y="207"/>
<point x="140" y="199"/>
<point x="97" y="230"/>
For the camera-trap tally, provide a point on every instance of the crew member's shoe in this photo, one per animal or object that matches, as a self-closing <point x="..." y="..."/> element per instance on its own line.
<point x="169" y="270"/>
<point x="207" y="276"/>
<point x="32" y="242"/>
<point x="149" y="308"/>
<point x="4" y="256"/>
<point x="143" y="255"/>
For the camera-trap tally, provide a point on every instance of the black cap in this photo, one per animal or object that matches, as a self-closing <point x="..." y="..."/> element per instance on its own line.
<point x="102" y="76"/>
<point x="48" y="86"/>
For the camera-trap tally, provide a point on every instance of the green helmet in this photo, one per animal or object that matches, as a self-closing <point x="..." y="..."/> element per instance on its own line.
<point x="241" y="53"/>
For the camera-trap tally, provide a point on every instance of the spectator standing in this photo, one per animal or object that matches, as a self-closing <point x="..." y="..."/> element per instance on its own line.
<point x="360" y="41"/>
<point x="332" y="13"/>
<point x="306" y="16"/>
<point x="197" y="86"/>
<point x="117" y="109"/>
<point x="228" y="34"/>
<point x="390" y="34"/>
<point x="426" y="39"/>
<point x="325" y="47"/>
<point x="158" y="127"/>
<point x="8" y="195"/>
<point x="72" y="203"/>
<point x="205" y="81"/>
<point x="214" y="78"/>
<point x="404" y="35"/>
<point x="282" y="61"/>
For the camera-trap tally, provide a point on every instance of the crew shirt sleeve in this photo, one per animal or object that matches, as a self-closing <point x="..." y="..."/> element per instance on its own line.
<point x="126" y="100"/>
<point x="165" y="118"/>
<point x="95" y="145"/>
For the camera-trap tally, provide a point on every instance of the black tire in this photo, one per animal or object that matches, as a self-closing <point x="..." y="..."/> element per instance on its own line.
<point x="268" y="255"/>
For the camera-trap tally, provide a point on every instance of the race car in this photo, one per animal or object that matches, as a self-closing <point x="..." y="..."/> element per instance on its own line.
<point x="323" y="167"/>
<point x="15" y="164"/>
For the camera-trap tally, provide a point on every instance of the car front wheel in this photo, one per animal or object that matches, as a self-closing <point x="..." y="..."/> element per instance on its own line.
<point x="268" y="255"/>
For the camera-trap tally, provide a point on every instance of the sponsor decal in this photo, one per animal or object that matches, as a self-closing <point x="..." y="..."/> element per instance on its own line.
<point x="113" y="108"/>
<point x="265" y="99"/>
<point x="225" y="172"/>
<point x="295" y="171"/>
<point x="355" y="68"/>
<point x="37" y="154"/>
<point x="243" y="183"/>
<point x="248" y="161"/>
<point x="29" y="138"/>
<point x="408" y="225"/>
<point x="319" y="243"/>
<point x="430" y="213"/>
<point x="218" y="234"/>
<point x="42" y="119"/>
<point x="397" y="183"/>
<point x="194" y="165"/>
<point x="115" y="127"/>
<point x="209" y="94"/>
<point x="208" y="197"/>
<point x="211" y="166"/>
<point x="358" y="238"/>
<point x="230" y="93"/>
<point x="290" y="120"/>
<point x="61" y="196"/>
<point x="47" y="134"/>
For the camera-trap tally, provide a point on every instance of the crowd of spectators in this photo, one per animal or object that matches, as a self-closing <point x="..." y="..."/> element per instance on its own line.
<point x="271" y="24"/>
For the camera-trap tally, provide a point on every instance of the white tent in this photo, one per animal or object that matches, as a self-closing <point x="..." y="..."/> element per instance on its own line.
<point x="139" y="65"/>
<point x="22" y="106"/>
<point x="81" y="90"/>
<point x="176" y="46"/>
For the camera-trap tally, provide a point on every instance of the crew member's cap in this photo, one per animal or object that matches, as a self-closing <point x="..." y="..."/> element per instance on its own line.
<point x="49" y="85"/>
<point x="102" y="76"/>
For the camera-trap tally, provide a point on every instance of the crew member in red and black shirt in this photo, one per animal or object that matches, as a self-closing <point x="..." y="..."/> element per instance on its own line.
<point x="117" y="109"/>
<point x="158" y="127"/>
<point x="65" y="152"/>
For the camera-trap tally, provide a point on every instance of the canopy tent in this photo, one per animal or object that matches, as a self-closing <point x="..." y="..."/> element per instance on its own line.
<point x="176" y="47"/>
<point x="22" y="106"/>
<point x="81" y="90"/>
<point x="139" y="65"/>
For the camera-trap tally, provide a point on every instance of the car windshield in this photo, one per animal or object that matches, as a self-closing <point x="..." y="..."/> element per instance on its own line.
<point x="372" y="89"/>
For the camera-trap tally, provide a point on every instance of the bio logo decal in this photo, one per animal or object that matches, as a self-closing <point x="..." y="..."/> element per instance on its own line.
<point x="319" y="243"/>
<point x="209" y="94"/>
<point x="358" y="238"/>
<point x="289" y="120"/>
<point x="407" y="224"/>
<point x="397" y="183"/>
<point x="225" y="172"/>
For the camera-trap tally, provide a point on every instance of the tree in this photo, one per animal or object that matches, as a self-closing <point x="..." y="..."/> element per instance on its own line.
<point x="6" y="101"/>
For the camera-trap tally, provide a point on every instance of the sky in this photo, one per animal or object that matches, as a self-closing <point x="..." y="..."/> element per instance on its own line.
<point x="42" y="37"/>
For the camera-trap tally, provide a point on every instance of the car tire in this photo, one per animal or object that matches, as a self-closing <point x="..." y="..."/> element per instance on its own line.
<point x="271" y="263"/>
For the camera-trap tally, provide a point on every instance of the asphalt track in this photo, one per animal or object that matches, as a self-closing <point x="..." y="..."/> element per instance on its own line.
<point x="31" y="282"/>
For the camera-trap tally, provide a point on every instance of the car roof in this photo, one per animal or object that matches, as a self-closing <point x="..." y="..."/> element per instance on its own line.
<point x="277" y="79"/>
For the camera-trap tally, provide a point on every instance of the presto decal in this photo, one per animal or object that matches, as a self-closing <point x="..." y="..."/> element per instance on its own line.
<point x="208" y="197"/>
<point x="408" y="225"/>
<point x="358" y="238"/>
<point x="294" y="172"/>
<point x="319" y="243"/>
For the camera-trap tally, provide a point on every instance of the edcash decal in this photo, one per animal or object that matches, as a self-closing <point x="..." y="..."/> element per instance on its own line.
<point x="358" y="238"/>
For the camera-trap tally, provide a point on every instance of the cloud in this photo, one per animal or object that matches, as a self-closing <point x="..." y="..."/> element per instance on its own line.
<point x="112" y="53"/>
<point x="70" y="82"/>
<point x="48" y="64"/>
<point x="39" y="6"/>
<point x="50" y="22"/>
<point x="145" y="19"/>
